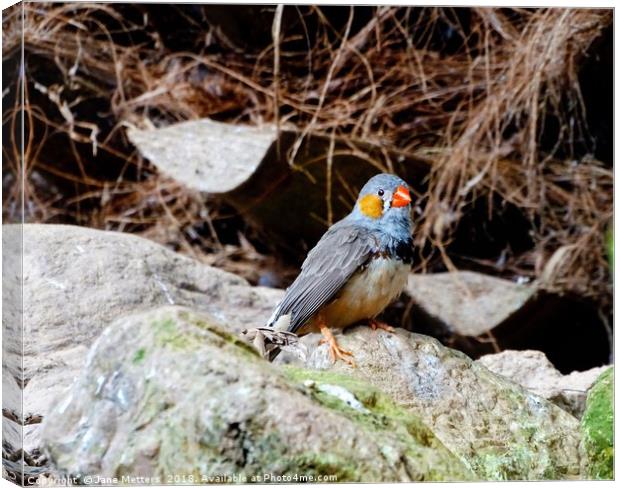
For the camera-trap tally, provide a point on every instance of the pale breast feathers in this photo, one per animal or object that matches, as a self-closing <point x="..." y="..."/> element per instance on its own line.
<point x="368" y="292"/>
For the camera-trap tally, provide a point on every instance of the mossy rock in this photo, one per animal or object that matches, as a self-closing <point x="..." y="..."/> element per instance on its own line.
<point x="495" y="427"/>
<point x="597" y="426"/>
<point x="375" y="413"/>
<point x="171" y="395"/>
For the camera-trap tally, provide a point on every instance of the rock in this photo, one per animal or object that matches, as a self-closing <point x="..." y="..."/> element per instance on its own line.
<point x="170" y="396"/>
<point x="11" y="397"/>
<point x="12" y="438"/>
<point x="12" y="343"/>
<point x="532" y="370"/>
<point x="114" y="273"/>
<point x="13" y="431"/>
<point x="480" y="314"/>
<point x="598" y="429"/>
<point x="206" y="155"/>
<point x="497" y="428"/>
<point x="77" y="280"/>
<point x="469" y="304"/>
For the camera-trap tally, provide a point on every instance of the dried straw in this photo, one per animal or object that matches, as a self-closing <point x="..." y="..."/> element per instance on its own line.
<point x="476" y="110"/>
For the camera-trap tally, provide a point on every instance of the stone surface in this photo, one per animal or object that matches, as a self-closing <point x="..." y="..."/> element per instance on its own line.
<point x="12" y="418"/>
<point x="598" y="429"/>
<point x="12" y="438"/>
<point x="206" y="155"/>
<point x="77" y="280"/>
<point x="168" y="393"/>
<point x="532" y="370"/>
<point x="496" y="427"/>
<point x="12" y="342"/>
<point x="467" y="303"/>
<point x="112" y="274"/>
<point x="480" y="314"/>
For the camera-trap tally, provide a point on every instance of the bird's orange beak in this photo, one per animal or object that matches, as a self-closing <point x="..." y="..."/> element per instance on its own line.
<point x="401" y="197"/>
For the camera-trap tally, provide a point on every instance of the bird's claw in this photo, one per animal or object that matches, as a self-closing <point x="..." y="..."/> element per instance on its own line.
<point x="336" y="352"/>
<point x="375" y="324"/>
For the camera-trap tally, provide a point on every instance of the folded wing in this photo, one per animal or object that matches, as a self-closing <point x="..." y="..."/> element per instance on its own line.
<point x="340" y="253"/>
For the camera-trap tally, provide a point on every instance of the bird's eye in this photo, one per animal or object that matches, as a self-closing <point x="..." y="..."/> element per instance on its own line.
<point x="380" y="192"/>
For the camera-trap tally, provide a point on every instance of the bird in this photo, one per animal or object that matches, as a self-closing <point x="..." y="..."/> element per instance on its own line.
<point x="357" y="268"/>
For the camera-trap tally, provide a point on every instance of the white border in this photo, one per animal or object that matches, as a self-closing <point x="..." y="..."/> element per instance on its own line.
<point x="535" y="3"/>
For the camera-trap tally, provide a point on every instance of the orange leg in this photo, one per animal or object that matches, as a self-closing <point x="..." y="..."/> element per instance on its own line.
<point x="335" y="351"/>
<point x="375" y="324"/>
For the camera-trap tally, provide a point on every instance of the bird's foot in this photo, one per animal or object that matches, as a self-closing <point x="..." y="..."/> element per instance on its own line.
<point x="375" y="324"/>
<point x="335" y="351"/>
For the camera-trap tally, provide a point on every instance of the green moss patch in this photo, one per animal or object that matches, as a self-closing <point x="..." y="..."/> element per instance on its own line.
<point x="139" y="356"/>
<point x="598" y="428"/>
<point x="380" y="414"/>
<point x="218" y="331"/>
<point x="168" y="334"/>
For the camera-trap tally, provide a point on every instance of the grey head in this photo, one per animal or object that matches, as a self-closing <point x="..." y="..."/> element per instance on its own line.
<point x="384" y="204"/>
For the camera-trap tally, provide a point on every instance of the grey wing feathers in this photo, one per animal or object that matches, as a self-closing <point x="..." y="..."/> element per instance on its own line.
<point x="336" y="257"/>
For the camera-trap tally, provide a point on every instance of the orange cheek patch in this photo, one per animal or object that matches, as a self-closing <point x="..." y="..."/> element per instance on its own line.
<point x="371" y="206"/>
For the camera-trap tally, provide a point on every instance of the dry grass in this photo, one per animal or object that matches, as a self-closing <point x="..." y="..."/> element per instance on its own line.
<point x="478" y="111"/>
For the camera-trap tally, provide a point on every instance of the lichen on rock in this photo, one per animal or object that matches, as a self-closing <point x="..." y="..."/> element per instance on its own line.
<point x="498" y="429"/>
<point x="168" y="393"/>
<point x="533" y="371"/>
<point x="99" y="276"/>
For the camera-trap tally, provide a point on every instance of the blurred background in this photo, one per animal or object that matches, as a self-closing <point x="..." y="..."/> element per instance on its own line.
<point x="500" y="120"/>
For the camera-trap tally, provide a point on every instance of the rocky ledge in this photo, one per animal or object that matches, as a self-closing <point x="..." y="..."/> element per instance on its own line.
<point x="146" y="375"/>
<point x="170" y="394"/>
